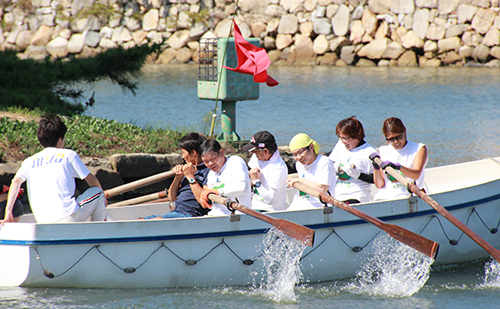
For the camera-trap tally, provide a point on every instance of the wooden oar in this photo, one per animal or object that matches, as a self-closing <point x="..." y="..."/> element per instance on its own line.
<point x="299" y="232"/>
<point x="441" y="210"/>
<point x="141" y="199"/>
<point x="138" y="184"/>
<point x="413" y="240"/>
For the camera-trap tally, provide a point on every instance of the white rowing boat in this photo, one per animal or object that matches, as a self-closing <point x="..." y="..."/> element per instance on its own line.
<point x="214" y="251"/>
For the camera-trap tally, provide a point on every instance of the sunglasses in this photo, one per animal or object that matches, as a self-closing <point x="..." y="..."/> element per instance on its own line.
<point x="395" y="138"/>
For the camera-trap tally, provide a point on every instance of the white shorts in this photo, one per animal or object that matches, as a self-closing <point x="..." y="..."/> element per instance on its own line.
<point x="91" y="204"/>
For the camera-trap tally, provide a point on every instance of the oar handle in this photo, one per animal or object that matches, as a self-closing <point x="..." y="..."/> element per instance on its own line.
<point x="441" y="210"/>
<point x="138" y="183"/>
<point x="140" y="199"/>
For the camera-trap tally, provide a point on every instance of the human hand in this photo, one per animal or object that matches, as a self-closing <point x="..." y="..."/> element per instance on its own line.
<point x="254" y="173"/>
<point x="189" y="169"/>
<point x="372" y="157"/>
<point x="395" y="166"/>
<point x="205" y="201"/>
<point x="351" y="170"/>
<point x="290" y="182"/>
<point x="178" y="170"/>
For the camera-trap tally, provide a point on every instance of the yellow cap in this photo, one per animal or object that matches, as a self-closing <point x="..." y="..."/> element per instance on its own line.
<point x="303" y="140"/>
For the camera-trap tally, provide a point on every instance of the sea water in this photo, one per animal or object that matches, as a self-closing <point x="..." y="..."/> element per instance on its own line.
<point x="455" y="111"/>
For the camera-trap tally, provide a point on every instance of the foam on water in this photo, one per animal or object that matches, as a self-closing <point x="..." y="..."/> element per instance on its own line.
<point x="392" y="270"/>
<point x="491" y="275"/>
<point x="281" y="267"/>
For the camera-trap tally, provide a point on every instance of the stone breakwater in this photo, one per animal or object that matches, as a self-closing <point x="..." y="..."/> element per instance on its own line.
<point x="425" y="33"/>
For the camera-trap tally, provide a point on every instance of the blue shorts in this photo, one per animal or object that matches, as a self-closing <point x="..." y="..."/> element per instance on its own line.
<point x="169" y="215"/>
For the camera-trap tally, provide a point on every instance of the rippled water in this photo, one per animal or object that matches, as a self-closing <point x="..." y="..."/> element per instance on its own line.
<point x="455" y="111"/>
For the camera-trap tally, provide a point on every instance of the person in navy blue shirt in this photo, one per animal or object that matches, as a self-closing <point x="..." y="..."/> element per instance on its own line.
<point x="189" y="178"/>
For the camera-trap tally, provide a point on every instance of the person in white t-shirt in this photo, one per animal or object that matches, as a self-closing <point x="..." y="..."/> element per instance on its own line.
<point x="50" y="176"/>
<point x="228" y="177"/>
<point x="313" y="170"/>
<point x="406" y="157"/>
<point x="268" y="173"/>
<point x="351" y="157"/>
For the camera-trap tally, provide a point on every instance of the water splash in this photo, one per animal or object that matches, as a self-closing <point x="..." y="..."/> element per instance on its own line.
<point x="392" y="270"/>
<point x="281" y="267"/>
<point x="491" y="275"/>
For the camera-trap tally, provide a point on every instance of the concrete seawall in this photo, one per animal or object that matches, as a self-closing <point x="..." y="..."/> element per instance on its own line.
<point x="425" y="33"/>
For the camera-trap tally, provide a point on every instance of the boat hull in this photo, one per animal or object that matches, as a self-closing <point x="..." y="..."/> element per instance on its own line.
<point x="216" y="251"/>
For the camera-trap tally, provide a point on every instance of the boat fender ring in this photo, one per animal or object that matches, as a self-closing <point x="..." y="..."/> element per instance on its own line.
<point x="248" y="262"/>
<point x="129" y="270"/>
<point x="357" y="249"/>
<point x="453" y="242"/>
<point x="191" y="262"/>
<point x="48" y="274"/>
<point x="494" y="230"/>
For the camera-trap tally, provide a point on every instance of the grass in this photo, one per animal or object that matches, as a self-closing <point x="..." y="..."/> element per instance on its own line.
<point x="88" y="136"/>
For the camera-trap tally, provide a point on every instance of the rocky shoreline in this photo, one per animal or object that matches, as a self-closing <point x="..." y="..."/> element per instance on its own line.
<point x="425" y="33"/>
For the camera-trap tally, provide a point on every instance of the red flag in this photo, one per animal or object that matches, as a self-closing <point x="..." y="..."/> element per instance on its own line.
<point x="251" y="59"/>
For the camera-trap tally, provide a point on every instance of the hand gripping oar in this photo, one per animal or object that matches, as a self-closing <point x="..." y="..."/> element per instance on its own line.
<point x="138" y="183"/>
<point x="441" y="210"/>
<point x="299" y="232"/>
<point x="413" y="240"/>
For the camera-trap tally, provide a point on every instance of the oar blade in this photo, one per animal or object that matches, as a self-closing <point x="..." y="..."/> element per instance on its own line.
<point x="299" y="232"/>
<point x="413" y="240"/>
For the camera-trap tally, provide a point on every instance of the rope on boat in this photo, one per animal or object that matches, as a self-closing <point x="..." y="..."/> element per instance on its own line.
<point x="250" y="261"/>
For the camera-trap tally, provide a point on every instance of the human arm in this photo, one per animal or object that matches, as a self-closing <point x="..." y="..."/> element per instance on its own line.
<point x="291" y="181"/>
<point x="173" y="190"/>
<point x="11" y="199"/>
<point x="378" y="174"/>
<point x="189" y="170"/>
<point x="92" y="181"/>
<point x="418" y="164"/>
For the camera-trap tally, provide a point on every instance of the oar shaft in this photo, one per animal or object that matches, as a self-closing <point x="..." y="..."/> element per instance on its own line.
<point x="138" y="183"/>
<point x="441" y="210"/>
<point x="140" y="199"/>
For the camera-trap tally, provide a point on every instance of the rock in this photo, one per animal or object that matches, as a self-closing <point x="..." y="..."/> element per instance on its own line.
<point x="379" y="6"/>
<point x="320" y="26"/>
<point x="393" y="51"/>
<point x="8" y="171"/>
<point x="408" y="59"/>
<point x="42" y="35"/>
<point x="456" y="30"/>
<point x="347" y="54"/>
<point x="358" y="12"/>
<point x="465" y="51"/>
<point x="269" y="43"/>
<point x="495" y="63"/>
<point x="411" y="39"/>
<point x="431" y="4"/>
<point x="288" y="24"/>
<point x="107" y="43"/>
<point x="150" y="20"/>
<point x="121" y="34"/>
<point x="480" y="53"/>
<point x="492" y="38"/>
<point x="451" y="57"/>
<point x="482" y="3"/>
<point x="132" y="24"/>
<point x="183" y="21"/>
<point x="331" y="10"/>
<point x="336" y="42"/>
<point x="369" y="21"/>
<point x="75" y="43"/>
<point x="375" y="49"/>
<point x="179" y="39"/>
<point x="291" y="5"/>
<point x="321" y="45"/>
<point x="471" y="38"/>
<point x="363" y="62"/>
<point x="253" y="6"/>
<point x="36" y="52"/>
<point x="139" y="36"/>
<point x="483" y="20"/>
<point x="340" y="22"/>
<point x="466" y="12"/>
<point x="258" y="28"/>
<point x="340" y="63"/>
<point x="435" y="32"/>
<point x="272" y="26"/>
<point x="430" y="46"/>
<point x="429" y="63"/>
<point x="327" y="59"/>
<point x="310" y="5"/>
<point x="447" y="44"/>
<point x="382" y="30"/>
<point x="318" y="12"/>
<point x="304" y="50"/>
<point x="283" y="40"/>
<point x="183" y="55"/>
<point x="222" y="28"/>
<point x="166" y="56"/>
<point x="140" y="165"/>
<point x="92" y="39"/>
<point x="383" y="63"/>
<point x="57" y="47"/>
<point x="357" y="32"/>
<point x="495" y="52"/>
<point x="274" y="55"/>
<point x="308" y="27"/>
<point x="421" y="22"/>
<point x="447" y="6"/>
<point x="107" y="177"/>
<point x="403" y="6"/>
<point x="275" y="11"/>
<point x="23" y="39"/>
